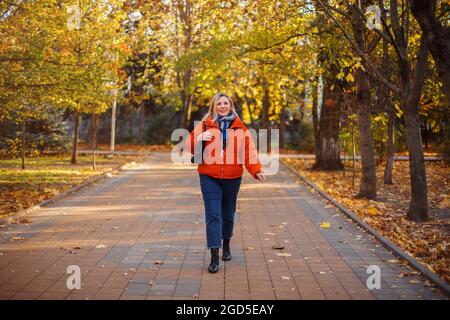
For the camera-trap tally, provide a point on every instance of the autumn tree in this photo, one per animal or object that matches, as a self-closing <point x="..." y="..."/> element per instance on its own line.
<point x="87" y="49"/>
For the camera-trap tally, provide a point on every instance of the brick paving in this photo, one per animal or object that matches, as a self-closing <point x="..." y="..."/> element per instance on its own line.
<point x="140" y="234"/>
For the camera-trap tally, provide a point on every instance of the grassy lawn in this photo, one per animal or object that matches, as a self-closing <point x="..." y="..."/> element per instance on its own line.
<point x="45" y="177"/>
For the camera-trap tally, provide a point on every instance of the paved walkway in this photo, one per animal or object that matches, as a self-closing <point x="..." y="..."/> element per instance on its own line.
<point x="140" y="235"/>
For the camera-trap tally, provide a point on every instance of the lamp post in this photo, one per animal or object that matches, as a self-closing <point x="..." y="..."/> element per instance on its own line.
<point x="134" y="17"/>
<point x="113" y="114"/>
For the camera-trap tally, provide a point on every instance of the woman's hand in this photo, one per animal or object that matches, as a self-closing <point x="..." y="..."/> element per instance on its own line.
<point x="204" y="136"/>
<point x="260" y="176"/>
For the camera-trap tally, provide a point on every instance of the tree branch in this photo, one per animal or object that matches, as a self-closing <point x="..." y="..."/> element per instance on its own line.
<point x="365" y="61"/>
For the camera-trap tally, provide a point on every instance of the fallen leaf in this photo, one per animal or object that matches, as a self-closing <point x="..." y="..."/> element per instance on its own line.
<point x="283" y="254"/>
<point x="277" y="247"/>
<point x="325" y="225"/>
<point x="100" y="246"/>
<point x="249" y="248"/>
<point x="285" y="278"/>
<point x="392" y="261"/>
<point x="159" y="262"/>
<point x="25" y="221"/>
<point x="373" y="211"/>
<point x="17" y="238"/>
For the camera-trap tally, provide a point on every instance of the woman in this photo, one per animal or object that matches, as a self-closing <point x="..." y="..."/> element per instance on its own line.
<point x="228" y="144"/>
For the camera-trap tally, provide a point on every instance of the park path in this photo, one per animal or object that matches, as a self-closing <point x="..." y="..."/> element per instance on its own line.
<point x="140" y="235"/>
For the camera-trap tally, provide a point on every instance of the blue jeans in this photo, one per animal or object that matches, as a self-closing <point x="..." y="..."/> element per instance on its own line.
<point x="219" y="197"/>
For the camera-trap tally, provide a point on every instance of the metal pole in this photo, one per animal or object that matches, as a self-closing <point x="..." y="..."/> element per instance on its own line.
<point x="113" y="121"/>
<point x="113" y="111"/>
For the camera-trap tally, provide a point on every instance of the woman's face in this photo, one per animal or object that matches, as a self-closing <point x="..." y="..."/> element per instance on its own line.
<point x="223" y="106"/>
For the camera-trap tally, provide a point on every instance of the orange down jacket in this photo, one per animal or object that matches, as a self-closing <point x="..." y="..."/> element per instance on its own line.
<point x="228" y="164"/>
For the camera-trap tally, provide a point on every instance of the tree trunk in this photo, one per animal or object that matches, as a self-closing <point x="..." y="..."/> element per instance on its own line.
<point x="446" y="136"/>
<point x="265" y="105"/>
<point x="425" y="134"/>
<point x="386" y="99"/>
<point x="238" y="102"/>
<point x="368" y="185"/>
<point x="187" y="24"/>
<point x="94" y="131"/>
<point x="315" y="118"/>
<point x="410" y="90"/>
<point x="248" y="103"/>
<point x="24" y="121"/>
<point x="75" y="138"/>
<point x="186" y="113"/>
<point x="437" y="37"/>
<point x="389" y="144"/>
<point x="282" y="126"/>
<point x="353" y="157"/>
<point x="418" y="207"/>
<point x="142" y="123"/>
<point x="328" y="156"/>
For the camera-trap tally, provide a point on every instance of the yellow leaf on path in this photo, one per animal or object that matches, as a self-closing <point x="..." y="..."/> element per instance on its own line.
<point x="392" y="261"/>
<point x="325" y="225"/>
<point x="283" y="254"/>
<point x="372" y="211"/>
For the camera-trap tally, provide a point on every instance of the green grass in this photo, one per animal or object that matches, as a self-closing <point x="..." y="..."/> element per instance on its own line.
<point x="52" y="161"/>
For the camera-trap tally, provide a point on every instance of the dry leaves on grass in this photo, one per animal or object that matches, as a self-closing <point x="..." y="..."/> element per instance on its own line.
<point x="45" y="177"/>
<point x="427" y="242"/>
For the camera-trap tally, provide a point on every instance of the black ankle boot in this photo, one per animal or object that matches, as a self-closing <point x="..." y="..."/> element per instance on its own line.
<point x="226" y="253"/>
<point x="214" y="266"/>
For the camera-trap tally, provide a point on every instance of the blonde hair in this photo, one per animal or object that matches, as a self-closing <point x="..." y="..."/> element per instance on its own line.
<point x="212" y="114"/>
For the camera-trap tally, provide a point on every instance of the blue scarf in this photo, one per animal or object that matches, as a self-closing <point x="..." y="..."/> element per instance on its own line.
<point x="224" y="123"/>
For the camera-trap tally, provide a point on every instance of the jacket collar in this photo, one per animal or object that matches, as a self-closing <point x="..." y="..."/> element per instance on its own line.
<point x="237" y="123"/>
